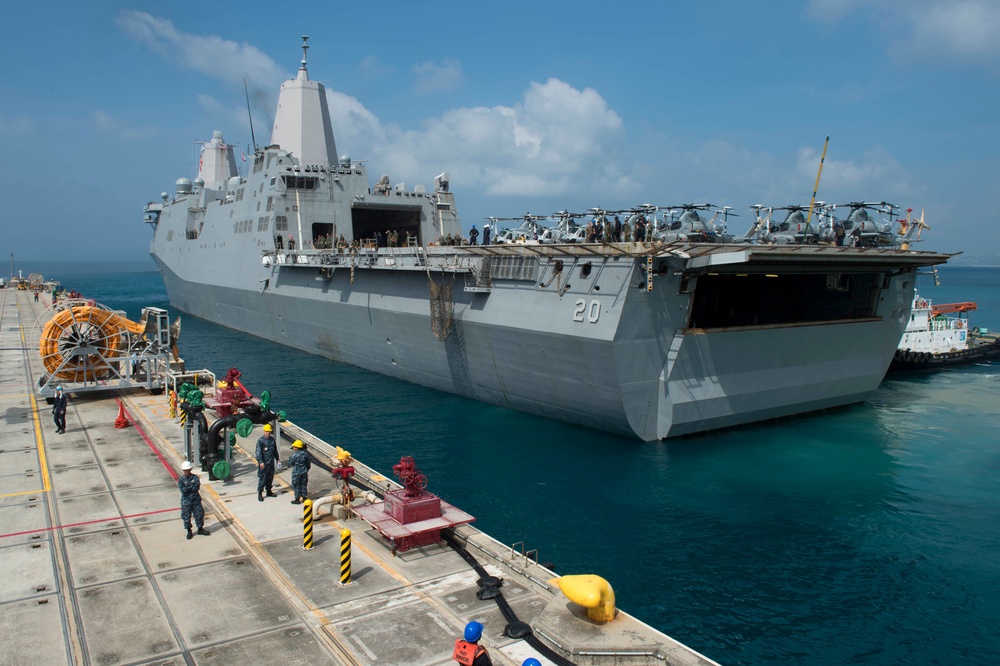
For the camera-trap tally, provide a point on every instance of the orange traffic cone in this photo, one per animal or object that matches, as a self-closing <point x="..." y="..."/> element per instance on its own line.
<point x="122" y="420"/>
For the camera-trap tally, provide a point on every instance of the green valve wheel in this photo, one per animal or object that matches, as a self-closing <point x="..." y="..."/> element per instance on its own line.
<point x="244" y="427"/>
<point x="282" y="416"/>
<point x="220" y="470"/>
<point x="196" y="397"/>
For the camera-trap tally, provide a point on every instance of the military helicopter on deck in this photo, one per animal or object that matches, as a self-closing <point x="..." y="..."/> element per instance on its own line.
<point x="861" y="229"/>
<point x="685" y="223"/>
<point x="527" y="232"/>
<point x="798" y="227"/>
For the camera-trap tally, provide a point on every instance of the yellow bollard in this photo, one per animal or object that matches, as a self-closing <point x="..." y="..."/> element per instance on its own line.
<point x="307" y="524"/>
<point x="345" y="556"/>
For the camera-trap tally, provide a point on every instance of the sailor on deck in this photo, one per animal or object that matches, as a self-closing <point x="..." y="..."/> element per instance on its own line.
<point x="266" y="455"/>
<point x="300" y="464"/>
<point x="190" y="485"/>
<point x="469" y="652"/>
<point x="59" y="410"/>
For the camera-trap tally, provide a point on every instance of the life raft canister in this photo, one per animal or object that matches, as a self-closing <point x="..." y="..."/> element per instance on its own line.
<point x="465" y="653"/>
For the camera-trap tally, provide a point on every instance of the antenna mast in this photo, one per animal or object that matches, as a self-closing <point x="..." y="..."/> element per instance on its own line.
<point x="816" y="188"/>
<point x="247" y="93"/>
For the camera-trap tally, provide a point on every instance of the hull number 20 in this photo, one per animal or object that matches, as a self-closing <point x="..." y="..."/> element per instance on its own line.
<point x="585" y="311"/>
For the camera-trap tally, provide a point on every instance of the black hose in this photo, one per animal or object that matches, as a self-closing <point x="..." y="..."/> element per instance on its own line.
<point x="505" y="609"/>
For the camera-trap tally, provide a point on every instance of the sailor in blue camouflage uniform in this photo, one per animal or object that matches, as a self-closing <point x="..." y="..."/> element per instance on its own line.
<point x="189" y="485"/>
<point x="266" y="455"/>
<point x="300" y="464"/>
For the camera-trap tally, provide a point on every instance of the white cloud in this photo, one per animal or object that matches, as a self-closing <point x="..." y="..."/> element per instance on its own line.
<point x="432" y="78"/>
<point x="918" y="30"/>
<point x="16" y="125"/>
<point x="969" y="29"/>
<point x="222" y="59"/>
<point x="372" y="68"/>
<point x="876" y="175"/>
<point x="106" y="124"/>
<point x="557" y="140"/>
<point x="209" y="103"/>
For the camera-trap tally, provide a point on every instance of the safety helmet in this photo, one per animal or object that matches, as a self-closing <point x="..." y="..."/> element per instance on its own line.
<point x="186" y="465"/>
<point x="59" y="388"/>
<point x="473" y="632"/>
<point x="297" y="444"/>
<point x="531" y="661"/>
<point x="267" y="427"/>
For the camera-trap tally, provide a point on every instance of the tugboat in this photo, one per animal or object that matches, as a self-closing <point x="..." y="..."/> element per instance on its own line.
<point x="933" y="340"/>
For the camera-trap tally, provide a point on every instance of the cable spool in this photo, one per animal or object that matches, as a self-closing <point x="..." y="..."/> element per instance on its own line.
<point x="81" y="339"/>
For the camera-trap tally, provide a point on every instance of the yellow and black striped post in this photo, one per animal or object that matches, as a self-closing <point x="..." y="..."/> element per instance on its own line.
<point x="345" y="556"/>
<point x="184" y="415"/>
<point x="307" y="524"/>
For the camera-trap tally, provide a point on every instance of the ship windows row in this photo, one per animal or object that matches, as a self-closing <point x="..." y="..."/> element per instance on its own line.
<point x="263" y="224"/>
<point x="300" y="182"/>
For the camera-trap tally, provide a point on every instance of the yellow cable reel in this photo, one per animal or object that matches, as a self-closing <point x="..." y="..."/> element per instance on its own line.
<point x="80" y="340"/>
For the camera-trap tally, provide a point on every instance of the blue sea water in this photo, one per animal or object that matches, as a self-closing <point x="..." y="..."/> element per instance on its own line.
<point x="864" y="535"/>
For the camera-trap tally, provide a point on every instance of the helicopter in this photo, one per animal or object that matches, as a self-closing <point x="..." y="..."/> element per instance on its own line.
<point x="685" y="223"/>
<point x="526" y="232"/>
<point x="861" y="229"/>
<point x="797" y="228"/>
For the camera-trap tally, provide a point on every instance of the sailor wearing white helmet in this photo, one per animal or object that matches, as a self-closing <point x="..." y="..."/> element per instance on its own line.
<point x="189" y="485"/>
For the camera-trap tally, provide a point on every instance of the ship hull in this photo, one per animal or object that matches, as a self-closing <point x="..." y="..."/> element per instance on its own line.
<point x="637" y="371"/>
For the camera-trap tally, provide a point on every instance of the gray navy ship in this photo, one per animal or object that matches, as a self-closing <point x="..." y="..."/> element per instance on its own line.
<point x="652" y="340"/>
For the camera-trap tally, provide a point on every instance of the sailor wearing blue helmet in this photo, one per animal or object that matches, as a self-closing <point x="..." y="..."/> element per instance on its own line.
<point x="469" y="652"/>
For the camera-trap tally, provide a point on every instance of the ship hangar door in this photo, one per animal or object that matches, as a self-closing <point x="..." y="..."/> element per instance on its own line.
<point x="367" y="219"/>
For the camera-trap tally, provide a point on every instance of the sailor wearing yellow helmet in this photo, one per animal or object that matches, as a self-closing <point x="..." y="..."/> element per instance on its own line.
<point x="266" y="455"/>
<point x="300" y="464"/>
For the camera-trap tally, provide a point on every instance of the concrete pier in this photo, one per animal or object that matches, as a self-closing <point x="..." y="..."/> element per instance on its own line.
<point x="98" y="569"/>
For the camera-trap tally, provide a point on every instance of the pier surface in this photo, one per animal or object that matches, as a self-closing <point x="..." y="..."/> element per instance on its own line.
<point x="98" y="569"/>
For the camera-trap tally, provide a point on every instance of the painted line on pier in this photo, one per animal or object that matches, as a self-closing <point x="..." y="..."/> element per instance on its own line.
<point x="89" y="522"/>
<point x="159" y="454"/>
<point x="46" y="481"/>
<point x="23" y="492"/>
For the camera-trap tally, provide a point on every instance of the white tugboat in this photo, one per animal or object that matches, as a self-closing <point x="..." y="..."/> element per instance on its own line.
<point x="939" y="336"/>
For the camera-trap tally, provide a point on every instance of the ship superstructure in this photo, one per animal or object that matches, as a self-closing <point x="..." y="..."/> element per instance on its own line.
<point x="648" y="339"/>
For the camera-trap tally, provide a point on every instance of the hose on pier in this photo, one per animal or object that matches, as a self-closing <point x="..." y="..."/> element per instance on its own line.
<point x="491" y="582"/>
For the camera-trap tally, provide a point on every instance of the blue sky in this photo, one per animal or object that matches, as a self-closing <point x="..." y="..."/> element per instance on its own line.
<point x="529" y="106"/>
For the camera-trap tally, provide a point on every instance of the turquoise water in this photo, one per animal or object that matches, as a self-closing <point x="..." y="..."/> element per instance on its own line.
<point x="865" y="535"/>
